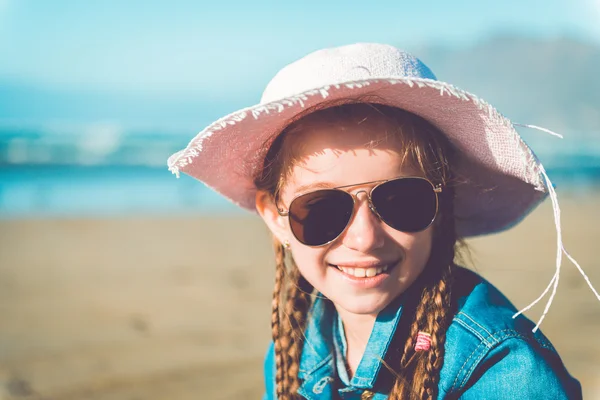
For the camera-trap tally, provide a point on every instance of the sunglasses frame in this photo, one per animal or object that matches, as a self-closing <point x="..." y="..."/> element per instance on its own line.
<point x="436" y="190"/>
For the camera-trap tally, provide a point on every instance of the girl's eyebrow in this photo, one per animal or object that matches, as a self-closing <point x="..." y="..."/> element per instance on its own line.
<point x="314" y="185"/>
<point x="329" y="185"/>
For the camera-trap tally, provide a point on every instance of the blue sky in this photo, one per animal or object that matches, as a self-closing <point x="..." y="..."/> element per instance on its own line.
<point x="217" y="48"/>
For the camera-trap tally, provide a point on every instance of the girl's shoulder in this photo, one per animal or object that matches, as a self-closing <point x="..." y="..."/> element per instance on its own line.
<point x="486" y="345"/>
<point x="486" y="313"/>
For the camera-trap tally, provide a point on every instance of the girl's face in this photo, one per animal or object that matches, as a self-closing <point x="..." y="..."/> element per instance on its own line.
<point x="345" y="154"/>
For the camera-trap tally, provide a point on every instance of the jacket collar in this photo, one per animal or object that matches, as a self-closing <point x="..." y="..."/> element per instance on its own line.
<point x="317" y="363"/>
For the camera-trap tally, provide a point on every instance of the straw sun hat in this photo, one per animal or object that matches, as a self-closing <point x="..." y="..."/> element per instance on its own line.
<point x="503" y="179"/>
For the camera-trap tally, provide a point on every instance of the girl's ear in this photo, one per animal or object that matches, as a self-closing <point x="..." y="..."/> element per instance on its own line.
<point x="267" y="209"/>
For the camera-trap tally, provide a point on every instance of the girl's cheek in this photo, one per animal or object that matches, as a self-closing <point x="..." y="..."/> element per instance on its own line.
<point x="310" y="262"/>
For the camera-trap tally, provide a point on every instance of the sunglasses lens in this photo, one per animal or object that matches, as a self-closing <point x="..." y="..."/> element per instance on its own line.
<point x="406" y="204"/>
<point x="319" y="217"/>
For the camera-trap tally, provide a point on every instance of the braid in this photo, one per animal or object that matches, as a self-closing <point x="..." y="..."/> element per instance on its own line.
<point x="288" y="323"/>
<point x="440" y="312"/>
<point x="275" y="316"/>
<point x="418" y="377"/>
<point x="410" y="379"/>
<point x="418" y="322"/>
<point x="439" y="325"/>
<point x="298" y="302"/>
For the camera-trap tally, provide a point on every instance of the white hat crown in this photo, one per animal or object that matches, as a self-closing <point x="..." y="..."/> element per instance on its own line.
<point x="354" y="62"/>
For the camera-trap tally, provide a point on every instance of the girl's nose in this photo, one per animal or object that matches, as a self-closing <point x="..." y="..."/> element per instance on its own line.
<point x="364" y="232"/>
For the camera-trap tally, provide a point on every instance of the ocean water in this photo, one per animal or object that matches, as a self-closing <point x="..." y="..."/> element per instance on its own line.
<point x="104" y="169"/>
<point x="102" y="191"/>
<point x="45" y="191"/>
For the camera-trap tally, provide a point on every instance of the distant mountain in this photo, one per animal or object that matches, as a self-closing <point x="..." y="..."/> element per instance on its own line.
<point x="553" y="83"/>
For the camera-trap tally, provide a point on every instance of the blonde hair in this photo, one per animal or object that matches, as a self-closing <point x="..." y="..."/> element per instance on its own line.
<point x="429" y="305"/>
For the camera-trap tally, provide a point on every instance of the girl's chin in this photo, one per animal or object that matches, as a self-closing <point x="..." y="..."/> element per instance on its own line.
<point x="362" y="306"/>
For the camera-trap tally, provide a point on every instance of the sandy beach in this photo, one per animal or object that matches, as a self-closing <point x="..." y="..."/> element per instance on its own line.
<point x="179" y="307"/>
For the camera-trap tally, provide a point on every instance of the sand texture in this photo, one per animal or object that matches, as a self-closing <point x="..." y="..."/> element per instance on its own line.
<point x="179" y="307"/>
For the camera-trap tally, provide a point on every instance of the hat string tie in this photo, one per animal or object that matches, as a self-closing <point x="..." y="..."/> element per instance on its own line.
<point x="560" y="248"/>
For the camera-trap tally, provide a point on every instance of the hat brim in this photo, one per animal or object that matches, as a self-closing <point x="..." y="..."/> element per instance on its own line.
<point x="501" y="181"/>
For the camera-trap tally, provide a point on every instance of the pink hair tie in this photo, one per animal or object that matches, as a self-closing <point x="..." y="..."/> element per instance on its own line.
<point x="423" y="341"/>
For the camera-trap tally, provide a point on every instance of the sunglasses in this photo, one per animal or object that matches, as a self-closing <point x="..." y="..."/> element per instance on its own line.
<point x="407" y="204"/>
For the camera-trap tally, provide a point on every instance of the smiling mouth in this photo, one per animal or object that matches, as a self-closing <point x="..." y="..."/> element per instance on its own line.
<point x="365" y="272"/>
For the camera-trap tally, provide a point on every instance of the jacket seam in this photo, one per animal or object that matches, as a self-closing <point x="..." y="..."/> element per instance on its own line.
<point x="476" y="350"/>
<point x="470" y="329"/>
<point x="473" y="366"/>
<point x="493" y="338"/>
<point x="489" y="334"/>
<point x="511" y="334"/>
<point x="500" y="337"/>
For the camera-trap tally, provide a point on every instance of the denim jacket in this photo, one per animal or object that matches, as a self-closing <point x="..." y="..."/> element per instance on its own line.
<point x="488" y="354"/>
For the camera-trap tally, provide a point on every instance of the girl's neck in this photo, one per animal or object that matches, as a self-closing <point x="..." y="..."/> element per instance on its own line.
<point x="357" y="329"/>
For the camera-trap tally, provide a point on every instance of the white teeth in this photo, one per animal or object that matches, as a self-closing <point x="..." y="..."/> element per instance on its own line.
<point x="359" y="272"/>
<point x="363" y="272"/>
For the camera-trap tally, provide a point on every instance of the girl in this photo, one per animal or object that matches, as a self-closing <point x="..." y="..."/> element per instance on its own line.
<point x="369" y="172"/>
